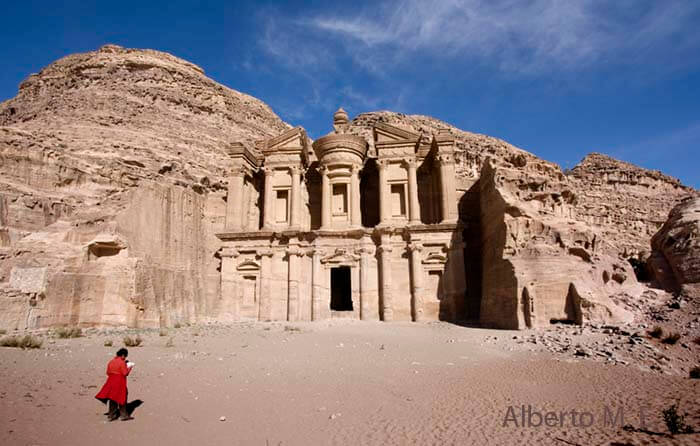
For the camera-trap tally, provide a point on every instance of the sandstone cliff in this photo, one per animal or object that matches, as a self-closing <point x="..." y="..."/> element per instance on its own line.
<point x="675" y="259"/>
<point x="111" y="169"/>
<point x="628" y="204"/>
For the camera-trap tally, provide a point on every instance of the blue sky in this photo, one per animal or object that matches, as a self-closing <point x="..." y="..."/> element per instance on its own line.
<point x="557" y="78"/>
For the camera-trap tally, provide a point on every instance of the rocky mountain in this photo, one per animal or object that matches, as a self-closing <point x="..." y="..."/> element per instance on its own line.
<point x="116" y="150"/>
<point x="113" y="166"/>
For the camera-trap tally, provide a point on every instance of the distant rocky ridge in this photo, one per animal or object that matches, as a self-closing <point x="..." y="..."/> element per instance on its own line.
<point x="113" y="166"/>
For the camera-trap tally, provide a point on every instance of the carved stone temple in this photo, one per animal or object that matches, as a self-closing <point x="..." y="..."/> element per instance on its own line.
<point x="355" y="226"/>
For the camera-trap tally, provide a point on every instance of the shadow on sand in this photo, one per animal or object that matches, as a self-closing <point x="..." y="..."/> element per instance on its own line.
<point x="132" y="406"/>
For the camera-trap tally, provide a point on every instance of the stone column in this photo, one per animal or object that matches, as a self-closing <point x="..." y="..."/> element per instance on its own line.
<point x="293" y="259"/>
<point x="414" y="204"/>
<point x="265" y="310"/>
<point x="384" y="211"/>
<point x="245" y="211"/>
<point x="447" y="189"/>
<point x="296" y="197"/>
<point x="385" y="266"/>
<point x="230" y="296"/>
<point x="316" y="285"/>
<point x="325" y="199"/>
<point x="365" y="253"/>
<point x="355" y="211"/>
<point x="234" y="199"/>
<point x="268" y="220"/>
<point x="416" y="281"/>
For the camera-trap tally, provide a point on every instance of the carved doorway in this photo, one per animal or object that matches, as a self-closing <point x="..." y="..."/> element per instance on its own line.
<point x="341" y="289"/>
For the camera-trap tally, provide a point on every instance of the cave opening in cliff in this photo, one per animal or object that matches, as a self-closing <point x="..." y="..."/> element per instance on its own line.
<point x="641" y="270"/>
<point x="341" y="294"/>
<point x="97" y="250"/>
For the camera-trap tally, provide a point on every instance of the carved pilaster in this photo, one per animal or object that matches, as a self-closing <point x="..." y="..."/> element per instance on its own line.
<point x="416" y="281"/>
<point x="365" y="253"/>
<point x="414" y="204"/>
<point x="384" y="211"/>
<point x="268" y="220"/>
<point x="293" y="254"/>
<point x="355" y="211"/>
<point x="230" y="299"/>
<point x="265" y="310"/>
<point x="234" y="202"/>
<point x="316" y="284"/>
<point x="386" y="272"/>
<point x="325" y="199"/>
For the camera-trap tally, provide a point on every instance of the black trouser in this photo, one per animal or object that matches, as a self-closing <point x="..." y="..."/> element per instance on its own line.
<point x="115" y="410"/>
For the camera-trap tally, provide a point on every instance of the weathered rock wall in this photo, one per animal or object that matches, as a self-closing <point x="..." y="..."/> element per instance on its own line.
<point x="626" y="203"/>
<point x="675" y="259"/>
<point x="539" y="265"/>
<point x="112" y="174"/>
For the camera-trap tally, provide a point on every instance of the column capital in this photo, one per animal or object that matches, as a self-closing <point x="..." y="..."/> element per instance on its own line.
<point x="365" y="250"/>
<point x="294" y="251"/>
<point x="384" y="249"/>
<point x="266" y="252"/>
<point x="317" y="252"/>
<point x="415" y="247"/>
<point x="268" y="171"/>
<point x="382" y="164"/>
<point x="239" y="170"/>
<point x="323" y="170"/>
<point x="445" y="158"/>
<point x="410" y="163"/>
<point x="229" y="252"/>
<point x="355" y="169"/>
<point x="295" y="170"/>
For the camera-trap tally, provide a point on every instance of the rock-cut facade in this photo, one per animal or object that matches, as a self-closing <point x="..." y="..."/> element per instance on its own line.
<point x="333" y="229"/>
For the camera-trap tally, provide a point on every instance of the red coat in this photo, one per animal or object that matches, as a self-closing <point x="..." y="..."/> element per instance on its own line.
<point x="115" y="387"/>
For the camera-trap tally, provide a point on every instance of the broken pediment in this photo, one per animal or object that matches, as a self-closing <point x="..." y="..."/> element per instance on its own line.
<point x="384" y="133"/>
<point x="341" y="256"/>
<point x="435" y="258"/>
<point x="293" y="140"/>
<point x="443" y="143"/>
<point x="248" y="265"/>
<point x="251" y="156"/>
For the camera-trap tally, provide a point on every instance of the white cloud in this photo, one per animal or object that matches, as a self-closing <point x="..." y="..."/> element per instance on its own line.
<point x="513" y="35"/>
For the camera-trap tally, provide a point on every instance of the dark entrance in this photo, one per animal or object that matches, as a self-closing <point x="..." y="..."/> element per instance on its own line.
<point x="341" y="295"/>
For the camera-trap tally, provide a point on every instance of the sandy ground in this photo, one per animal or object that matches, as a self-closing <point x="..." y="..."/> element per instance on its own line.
<point x="342" y="382"/>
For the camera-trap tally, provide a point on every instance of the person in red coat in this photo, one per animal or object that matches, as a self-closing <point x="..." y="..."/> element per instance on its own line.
<point x="114" y="390"/>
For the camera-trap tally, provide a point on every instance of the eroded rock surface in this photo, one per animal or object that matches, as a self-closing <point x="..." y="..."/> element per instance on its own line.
<point x="111" y="169"/>
<point x="675" y="259"/>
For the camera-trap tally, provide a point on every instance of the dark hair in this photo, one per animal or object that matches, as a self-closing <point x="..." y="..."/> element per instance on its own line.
<point x="123" y="352"/>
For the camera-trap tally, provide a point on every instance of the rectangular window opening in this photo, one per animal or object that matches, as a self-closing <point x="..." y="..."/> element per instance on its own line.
<point x="340" y="199"/>
<point x="282" y="206"/>
<point x="398" y="200"/>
